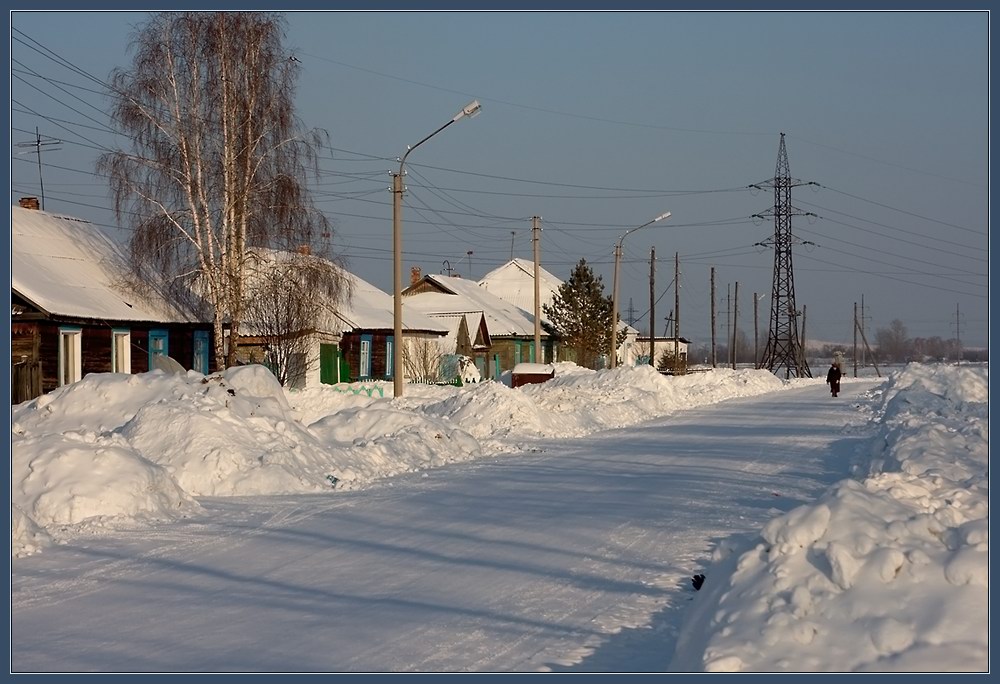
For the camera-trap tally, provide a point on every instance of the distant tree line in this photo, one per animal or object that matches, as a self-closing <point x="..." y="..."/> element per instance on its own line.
<point x="894" y="345"/>
<point x="889" y="345"/>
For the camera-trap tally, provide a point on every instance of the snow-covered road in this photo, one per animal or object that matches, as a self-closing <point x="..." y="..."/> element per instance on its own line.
<point x="576" y="557"/>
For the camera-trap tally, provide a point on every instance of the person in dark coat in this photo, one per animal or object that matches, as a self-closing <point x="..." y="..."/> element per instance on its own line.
<point x="833" y="378"/>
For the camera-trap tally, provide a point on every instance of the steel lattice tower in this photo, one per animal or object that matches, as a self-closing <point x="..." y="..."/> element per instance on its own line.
<point x="784" y="346"/>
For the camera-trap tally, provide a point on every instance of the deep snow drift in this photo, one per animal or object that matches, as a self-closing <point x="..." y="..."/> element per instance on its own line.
<point x="116" y="446"/>
<point x="886" y="571"/>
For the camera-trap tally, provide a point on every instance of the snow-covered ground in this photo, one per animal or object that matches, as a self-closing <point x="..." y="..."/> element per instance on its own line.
<point x="886" y="570"/>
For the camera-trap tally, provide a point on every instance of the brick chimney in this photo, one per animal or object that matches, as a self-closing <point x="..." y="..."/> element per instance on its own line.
<point x="304" y="249"/>
<point x="415" y="275"/>
<point x="29" y="203"/>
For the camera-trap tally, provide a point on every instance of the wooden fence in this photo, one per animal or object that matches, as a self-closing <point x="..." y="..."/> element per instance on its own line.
<point x="25" y="381"/>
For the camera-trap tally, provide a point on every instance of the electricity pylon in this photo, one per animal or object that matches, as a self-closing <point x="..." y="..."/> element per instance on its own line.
<point x="784" y="344"/>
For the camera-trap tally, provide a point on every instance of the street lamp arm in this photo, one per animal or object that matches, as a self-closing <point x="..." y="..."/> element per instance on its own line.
<point x="470" y="110"/>
<point x="665" y="215"/>
<point x="413" y="147"/>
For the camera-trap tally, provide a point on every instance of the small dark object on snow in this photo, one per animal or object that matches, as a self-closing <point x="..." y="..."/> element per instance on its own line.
<point x="697" y="581"/>
<point x="232" y="392"/>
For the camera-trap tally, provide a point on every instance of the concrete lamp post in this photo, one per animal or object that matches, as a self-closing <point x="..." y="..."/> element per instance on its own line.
<point x="470" y="110"/>
<point x="613" y="359"/>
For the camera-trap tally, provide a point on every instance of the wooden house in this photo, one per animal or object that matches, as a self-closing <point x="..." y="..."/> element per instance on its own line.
<point x="368" y="337"/>
<point x="510" y="330"/>
<point x="636" y="353"/>
<point x="353" y="338"/>
<point x="70" y="314"/>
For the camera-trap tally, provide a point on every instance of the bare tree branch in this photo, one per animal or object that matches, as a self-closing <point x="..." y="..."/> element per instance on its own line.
<point x="217" y="158"/>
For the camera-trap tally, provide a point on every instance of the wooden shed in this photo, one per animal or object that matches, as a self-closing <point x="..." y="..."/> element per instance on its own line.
<point x="531" y="373"/>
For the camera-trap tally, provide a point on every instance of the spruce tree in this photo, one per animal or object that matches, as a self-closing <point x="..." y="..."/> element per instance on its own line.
<point x="581" y="314"/>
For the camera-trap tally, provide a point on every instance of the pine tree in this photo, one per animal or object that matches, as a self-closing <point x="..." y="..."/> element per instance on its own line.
<point x="581" y="314"/>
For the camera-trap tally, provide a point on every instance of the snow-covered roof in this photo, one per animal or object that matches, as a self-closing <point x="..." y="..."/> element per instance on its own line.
<point x="453" y="321"/>
<point x="370" y="308"/>
<point x="69" y="267"/>
<point x="534" y="369"/>
<point x="365" y="308"/>
<point x="462" y="296"/>
<point x="514" y="282"/>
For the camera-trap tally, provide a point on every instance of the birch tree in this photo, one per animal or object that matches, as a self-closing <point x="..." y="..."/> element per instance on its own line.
<point x="217" y="163"/>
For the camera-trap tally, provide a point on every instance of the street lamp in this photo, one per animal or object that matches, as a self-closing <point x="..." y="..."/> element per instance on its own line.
<point x="470" y="110"/>
<point x="614" y="289"/>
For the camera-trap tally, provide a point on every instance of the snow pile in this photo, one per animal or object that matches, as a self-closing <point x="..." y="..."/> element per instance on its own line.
<point x="113" y="447"/>
<point x="387" y="441"/>
<point x="579" y="401"/>
<point x="889" y="573"/>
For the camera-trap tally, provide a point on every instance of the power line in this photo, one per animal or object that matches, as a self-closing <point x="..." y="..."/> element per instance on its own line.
<point x="904" y="211"/>
<point x="900" y="230"/>
<point x="883" y="254"/>
<point x="575" y="115"/>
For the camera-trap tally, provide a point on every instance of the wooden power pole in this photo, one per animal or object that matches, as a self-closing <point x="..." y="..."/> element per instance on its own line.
<point x="652" y="307"/>
<point x="713" y="317"/>
<point x="677" y="312"/>
<point x="736" y="304"/>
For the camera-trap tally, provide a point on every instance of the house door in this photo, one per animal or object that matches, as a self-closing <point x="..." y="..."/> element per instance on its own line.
<point x="157" y="345"/>
<point x="200" y="361"/>
<point x="329" y="364"/>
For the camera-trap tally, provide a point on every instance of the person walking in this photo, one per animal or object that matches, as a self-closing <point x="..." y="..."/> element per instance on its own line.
<point x="833" y="378"/>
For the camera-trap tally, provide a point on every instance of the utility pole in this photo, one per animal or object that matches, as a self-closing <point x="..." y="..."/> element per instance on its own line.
<point x="864" y="361"/>
<point x="865" y="341"/>
<point x="729" y="324"/>
<point x="855" y="339"/>
<point x="783" y="343"/>
<point x="736" y="306"/>
<point x="756" y="359"/>
<point x="469" y="254"/>
<point x="652" y="306"/>
<point x="713" y="316"/>
<point x="677" y="313"/>
<point x="958" y="336"/>
<point x="802" y="347"/>
<point x="535" y="238"/>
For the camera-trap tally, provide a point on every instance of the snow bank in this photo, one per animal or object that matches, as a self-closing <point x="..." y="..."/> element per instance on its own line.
<point x="115" y="447"/>
<point x="885" y="573"/>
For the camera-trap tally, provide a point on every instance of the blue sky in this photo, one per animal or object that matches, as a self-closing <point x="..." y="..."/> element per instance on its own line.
<point x="599" y="121"/>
